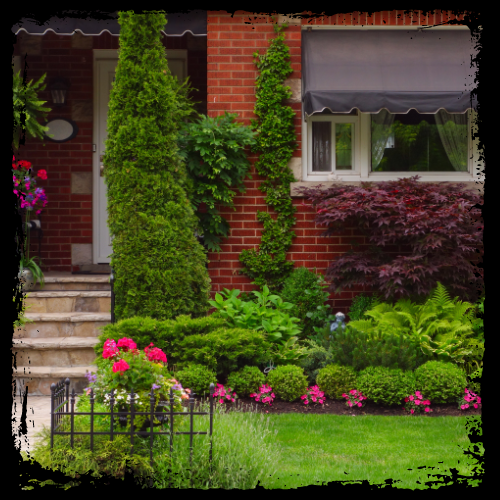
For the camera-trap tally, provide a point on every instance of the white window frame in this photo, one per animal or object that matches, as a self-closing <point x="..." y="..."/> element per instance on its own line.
<point x="362" y="154"/>
<point x="334" y="119"/>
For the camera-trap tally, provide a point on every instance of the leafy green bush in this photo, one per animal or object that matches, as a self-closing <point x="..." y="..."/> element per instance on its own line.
<point x="166" y="334"/>
<point x="197" y="378"/>
<point x="246" y="381"/>
<point x="317" y="357"/>
<point x="245" y="451"/>
<point x="305" y="289"/>
<point x="216" y="160"/>
<point x="224" y="350"/>
<point x="440" y="381"/>
<point x="360" y="304"/>
<point x="288" y="382"/>
<point x="160" y="267"/>
<point x="376" y="347"/>
<point x="387" y="386"/>
<point x="334" y="380"/>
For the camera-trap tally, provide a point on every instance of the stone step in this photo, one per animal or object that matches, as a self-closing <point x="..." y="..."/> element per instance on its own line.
<point x="38" y="379"/>
<point x="55" y="352"/>
<point x="63" y="324"/>
<point x="66" y="281"/>
<point x="68" y="301"/>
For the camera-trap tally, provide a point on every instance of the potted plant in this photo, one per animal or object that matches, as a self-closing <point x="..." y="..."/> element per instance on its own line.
<point x="30" y="198"/>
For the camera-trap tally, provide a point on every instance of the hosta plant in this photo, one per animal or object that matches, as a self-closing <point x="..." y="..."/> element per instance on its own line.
<point x="415" y="403"/>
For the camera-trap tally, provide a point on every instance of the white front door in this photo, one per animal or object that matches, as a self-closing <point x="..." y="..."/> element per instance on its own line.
<point x="105" y="62"/>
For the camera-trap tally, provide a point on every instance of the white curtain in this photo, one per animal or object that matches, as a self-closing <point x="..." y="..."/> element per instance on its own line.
<point x="381" y="134"/>
<point x="452" y="129"/>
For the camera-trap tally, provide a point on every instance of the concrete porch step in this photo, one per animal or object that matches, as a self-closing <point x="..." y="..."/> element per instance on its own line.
<point x="69" y="301"/>
<point x="38" y="379"/>
<point x="64" y="324"/>
<point x="68" y="281"/>
<point x="54" y="351"/>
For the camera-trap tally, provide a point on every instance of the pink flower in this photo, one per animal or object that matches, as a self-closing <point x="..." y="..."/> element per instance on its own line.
<point x="479" y="400"/>
<point x="417" y="393"/>
<point x="427" y="409"/>
<point x="412" y="411"/>
<point x="126" y="344"/>
<point x="417" y="401"/>
<point x="475" y="405"/>
<point x="353" y="391"/>
<point x="120" y="366"/>
<point x="426" y="402"/>
<point x="306" y="402"/>
<point x="411" y="398"/>
<point x="350" y="404"/>
<point x="466" y="406"/>
<point x="345" y="396"/>
<point x="463" y="407"/>
<point x="359" y="404"/>
<point x="466" y="390"/>
<point x="406" y="400"/>
<point x="419" y="396"/>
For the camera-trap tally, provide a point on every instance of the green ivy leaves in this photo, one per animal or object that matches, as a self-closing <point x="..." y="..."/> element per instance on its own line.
<point x="276" y="142"/>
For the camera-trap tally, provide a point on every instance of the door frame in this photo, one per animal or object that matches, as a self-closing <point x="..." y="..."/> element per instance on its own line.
<point x="98" y="55"/>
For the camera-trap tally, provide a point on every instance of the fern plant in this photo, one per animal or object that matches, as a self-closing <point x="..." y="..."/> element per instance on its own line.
<point x="441" y="324"/>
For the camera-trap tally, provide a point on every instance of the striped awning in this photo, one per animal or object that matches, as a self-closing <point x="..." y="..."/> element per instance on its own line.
<point x="96" y="23"/>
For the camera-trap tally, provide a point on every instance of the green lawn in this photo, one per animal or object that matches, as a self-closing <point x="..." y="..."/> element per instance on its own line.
<point x="317" y="449"/>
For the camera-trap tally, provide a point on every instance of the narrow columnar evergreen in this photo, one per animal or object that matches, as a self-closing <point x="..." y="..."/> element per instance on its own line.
<point x="160" y="268"/>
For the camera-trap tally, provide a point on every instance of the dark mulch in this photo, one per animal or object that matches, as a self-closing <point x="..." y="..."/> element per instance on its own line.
<point x="334" y="407"/>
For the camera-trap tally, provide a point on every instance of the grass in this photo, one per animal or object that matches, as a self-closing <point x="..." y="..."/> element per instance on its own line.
<point x="317" y="449"/>
<point x="291" y="451"/>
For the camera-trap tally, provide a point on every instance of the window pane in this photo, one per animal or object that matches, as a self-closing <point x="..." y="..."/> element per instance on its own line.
<point x="419" y="142"/>
<point x="343" y="146"/>
<point x="322" y="147"/>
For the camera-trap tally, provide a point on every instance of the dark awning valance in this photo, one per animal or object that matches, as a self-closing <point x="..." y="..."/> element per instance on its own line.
<point x="194" y="22"/>
<point x="397" y="70"/>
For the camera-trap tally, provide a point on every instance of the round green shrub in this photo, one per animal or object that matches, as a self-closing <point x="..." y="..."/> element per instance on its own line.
<point x="197" y="378"/>
<point x="334" y="380"/>
<point x="440" y="381"/>
<point x="384" y="385"/>
<point x="288" y="382"/>
<point x="246" y="381"/>
<point x="305" y="289"/>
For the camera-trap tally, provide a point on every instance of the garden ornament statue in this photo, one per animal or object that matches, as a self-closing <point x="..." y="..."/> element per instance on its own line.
<point x="338" y="323"/>
<point x="269" y="367"/>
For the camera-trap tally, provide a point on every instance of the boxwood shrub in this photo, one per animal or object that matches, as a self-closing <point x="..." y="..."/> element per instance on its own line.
<point x="288" y="382"/>
<point x="246" y="381"/>
<point x="388" y="386"/>
<point x="197" y="378"/>
<point x="440" y="381"/>
<point x="334" y="380"/>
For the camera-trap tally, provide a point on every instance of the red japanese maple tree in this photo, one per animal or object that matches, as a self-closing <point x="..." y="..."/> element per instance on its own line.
<point x="439" y="223"/>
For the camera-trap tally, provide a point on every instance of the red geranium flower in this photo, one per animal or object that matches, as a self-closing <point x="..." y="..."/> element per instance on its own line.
<point x="25" y="164"/>
<point x="42" y="174"/>
<point x="120" y="366"/>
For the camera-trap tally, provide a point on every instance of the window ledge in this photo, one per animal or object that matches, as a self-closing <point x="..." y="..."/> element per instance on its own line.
<point x="479" y="186"/>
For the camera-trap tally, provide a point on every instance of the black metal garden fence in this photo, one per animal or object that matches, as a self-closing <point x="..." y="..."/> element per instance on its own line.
<point x="62" y="418"/>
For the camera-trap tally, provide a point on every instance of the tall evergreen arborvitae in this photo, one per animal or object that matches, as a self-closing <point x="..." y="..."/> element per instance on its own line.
<point x="160" y="267"/>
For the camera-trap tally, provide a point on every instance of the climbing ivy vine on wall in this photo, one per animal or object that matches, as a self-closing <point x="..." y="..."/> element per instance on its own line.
<point x="276" y="142"/>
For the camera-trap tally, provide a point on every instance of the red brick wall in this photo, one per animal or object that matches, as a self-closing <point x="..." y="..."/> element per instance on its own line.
<point x="67" y="218"/>
<point x="232" y="39"/>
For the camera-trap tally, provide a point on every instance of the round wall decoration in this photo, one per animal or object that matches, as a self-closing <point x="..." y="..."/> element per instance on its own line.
<point x="61" y="130"/>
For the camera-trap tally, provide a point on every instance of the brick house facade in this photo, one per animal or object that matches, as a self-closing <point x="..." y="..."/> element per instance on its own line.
<point x="221" y="67"/>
